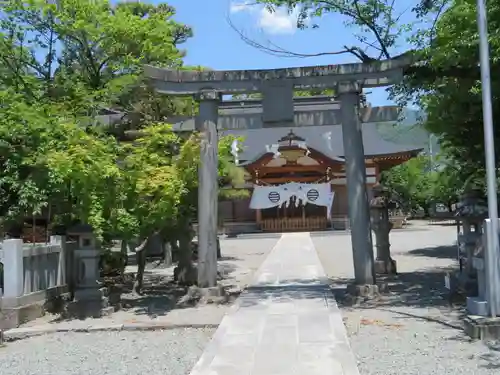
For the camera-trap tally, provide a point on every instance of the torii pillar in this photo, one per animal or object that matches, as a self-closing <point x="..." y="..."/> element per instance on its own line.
<point x="208" y="187"/>
<point x="359" y="211"/>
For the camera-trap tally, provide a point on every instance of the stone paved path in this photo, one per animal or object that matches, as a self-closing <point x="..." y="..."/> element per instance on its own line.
<point x="286" y="323"/>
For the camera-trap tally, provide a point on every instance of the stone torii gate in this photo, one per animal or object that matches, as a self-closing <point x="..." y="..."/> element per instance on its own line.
<point x="277" y="87"/>
<point x="246" y="114"/>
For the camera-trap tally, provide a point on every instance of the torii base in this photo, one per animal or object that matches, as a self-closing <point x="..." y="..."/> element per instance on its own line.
<point x="359" y="293"/>
<point x="385" y="267"/>
<point x="482" y="328"/>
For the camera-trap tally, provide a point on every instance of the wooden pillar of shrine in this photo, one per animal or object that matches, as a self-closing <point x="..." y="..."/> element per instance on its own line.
<point x="258" y="216"/>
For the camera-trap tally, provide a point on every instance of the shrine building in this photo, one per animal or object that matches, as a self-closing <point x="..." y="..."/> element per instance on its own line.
<point x="295" y="171"/>
<point x="310" y="161"/>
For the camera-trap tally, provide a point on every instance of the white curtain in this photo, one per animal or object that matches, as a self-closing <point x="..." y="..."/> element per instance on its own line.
<point x="268" y="196"/>
<point x="273" y="196"/>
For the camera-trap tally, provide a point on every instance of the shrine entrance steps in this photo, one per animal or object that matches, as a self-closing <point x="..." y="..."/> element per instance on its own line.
<point x="286" y="323"/>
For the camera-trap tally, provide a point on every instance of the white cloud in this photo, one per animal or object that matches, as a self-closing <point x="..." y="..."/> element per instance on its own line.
<point x="241" y="7"/>
<point x="278" y="22"/>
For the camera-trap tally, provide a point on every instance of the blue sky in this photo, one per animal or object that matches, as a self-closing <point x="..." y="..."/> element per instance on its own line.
<point x="216" y="45"/>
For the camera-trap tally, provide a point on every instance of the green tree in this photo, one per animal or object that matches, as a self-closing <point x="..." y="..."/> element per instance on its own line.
<point x="411" y="183"/>
<point x="187" y="165"/>
<point x="421" y="181"/>
<point x="154" y="189"/>
<point x="168" y="161"/>
<point x="84" y="166"/>
<point x="26" y="133"/>
<point x="446" y="185"/>
<point x="448" y="86"/>
<point x="61" y="63"/>
<point x="89" y="55"/>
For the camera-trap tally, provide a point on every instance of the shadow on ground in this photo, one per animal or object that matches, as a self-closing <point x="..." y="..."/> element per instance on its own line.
<point x="421" y="289"/>
<point x="491" y="358"/>
<point x="160" y="294"/>
<point x="441" y="252"/>
<point x="444" y="223"/>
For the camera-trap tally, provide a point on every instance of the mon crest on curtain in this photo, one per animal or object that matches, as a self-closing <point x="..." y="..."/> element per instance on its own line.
<point x="274" y="196"/>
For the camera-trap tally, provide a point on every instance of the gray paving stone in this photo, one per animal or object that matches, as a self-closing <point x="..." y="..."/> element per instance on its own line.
<point x="286" y="323"/>
<point x="315" y="327"/>
<point x="317" y="359"/>
<point x="275" y="359"/>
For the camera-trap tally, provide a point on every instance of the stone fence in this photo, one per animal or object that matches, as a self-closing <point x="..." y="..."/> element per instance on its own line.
<point x="32" y="275"/>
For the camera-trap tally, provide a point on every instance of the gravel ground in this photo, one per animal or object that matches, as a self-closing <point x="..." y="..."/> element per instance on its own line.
<point x="413" y="329"/>
<point x="387" y="343"/>
<point x="172" y="352"/>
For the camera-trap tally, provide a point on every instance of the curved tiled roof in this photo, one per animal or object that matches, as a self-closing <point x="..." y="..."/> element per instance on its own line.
<point x="255" y="141"/>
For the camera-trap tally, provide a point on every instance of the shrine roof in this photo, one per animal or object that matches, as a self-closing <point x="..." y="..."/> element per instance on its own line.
<point x="255" y="141"/>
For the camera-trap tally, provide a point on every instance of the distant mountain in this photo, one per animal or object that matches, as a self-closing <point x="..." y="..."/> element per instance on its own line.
<point x="409" y="131"/>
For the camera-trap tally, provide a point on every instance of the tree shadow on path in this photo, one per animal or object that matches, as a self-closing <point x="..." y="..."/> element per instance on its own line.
<point x="440" y="252"/>
<point x="421" y="289"/>
<point x="160" y="294"/>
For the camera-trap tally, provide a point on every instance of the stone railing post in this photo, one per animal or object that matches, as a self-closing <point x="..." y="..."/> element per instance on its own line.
<point x="208" y="190"/>
<point x="381" y="225"/>
<point x="62" y="272"/>
<point x="13" y="270"/>
<point x="359" y="213"/>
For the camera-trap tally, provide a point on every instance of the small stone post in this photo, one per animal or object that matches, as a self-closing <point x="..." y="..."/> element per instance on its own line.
<point x="13" y="271"/>
<point x="381" y="225"/>
<point x="60" y="241"/>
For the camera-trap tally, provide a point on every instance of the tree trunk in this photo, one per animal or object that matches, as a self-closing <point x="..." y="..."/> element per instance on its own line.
<point x="219" y="252"/>
<point x="124" y="254"/>
<point x="174" y="249"/>
<point x="185" y="273"/>
<point x="141" y="266"/>
<point x="426" y="211"/>
<point x="167" y="254"/>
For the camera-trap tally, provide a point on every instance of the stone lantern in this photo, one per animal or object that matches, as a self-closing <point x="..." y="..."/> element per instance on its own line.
<point x="470" y="213"/>
<point x="90" y="299"/>
<point x="381" y="226"/>
<point x="486" y="301"/>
